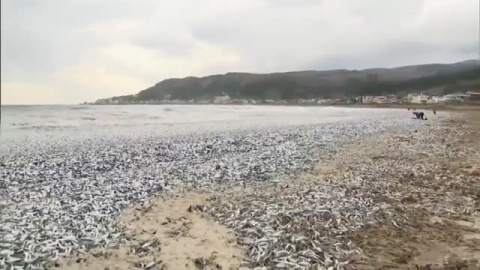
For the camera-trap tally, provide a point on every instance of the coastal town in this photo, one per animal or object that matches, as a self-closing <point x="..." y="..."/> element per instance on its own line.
<point x="417" y="98"/>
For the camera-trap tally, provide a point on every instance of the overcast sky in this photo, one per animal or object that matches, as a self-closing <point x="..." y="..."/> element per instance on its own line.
<point x="70" y="51"/>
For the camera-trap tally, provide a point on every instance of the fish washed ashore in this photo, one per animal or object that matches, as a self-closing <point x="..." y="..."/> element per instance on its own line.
<point x="63" y="198"/>
<point x="407" y="199"/>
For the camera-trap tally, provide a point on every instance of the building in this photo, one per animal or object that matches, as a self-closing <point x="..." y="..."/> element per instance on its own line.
<point x="306" y="101"/>
<point x="436" y="99"/>
<point x="238" y="101"/>
<point x="417" y="98"/>
<point x="393" y="99"/>
<point x="220" y="99"/>
<point x="473" y="97"/>
<point x="456" y="97"/>
<point x="325" y="101"/>
<point x="380" y="99"/>
<point x="203" y="101"/>
<point x="355" y="100"/>
<point x="367" y="99"/>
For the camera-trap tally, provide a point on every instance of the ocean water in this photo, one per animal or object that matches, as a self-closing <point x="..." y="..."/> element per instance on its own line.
<point x="25" y="120"/>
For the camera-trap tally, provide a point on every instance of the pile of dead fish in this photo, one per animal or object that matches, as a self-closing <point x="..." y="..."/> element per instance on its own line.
<point x="60" y="196"/>
<point x="416" y="170"/>
<point x="299" y="226"/>
<point x="309" y="222"/>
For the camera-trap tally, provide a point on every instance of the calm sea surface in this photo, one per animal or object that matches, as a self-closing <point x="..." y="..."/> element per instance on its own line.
<point x="24" y="120"/>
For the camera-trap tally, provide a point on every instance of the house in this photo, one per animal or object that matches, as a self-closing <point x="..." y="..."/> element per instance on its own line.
<point x="325" y="101"/>
<point x="438" y="99"/>
<point x="238" y="101"/>
<point x="178" y="101"/>
<point x="353" y="100"/>
<point x="306" y="101"/>
<point x="435" y="99"/>
<point x="417" y="98"/>
<point x="380" y="99"/>
<point x="473" y="97"/>
<point x="392" y="99"/>
<point x="220" y="99"/>
<point x="456" y="97"/>
<point x="367" y="99"/>
<point x="203" y="101"/>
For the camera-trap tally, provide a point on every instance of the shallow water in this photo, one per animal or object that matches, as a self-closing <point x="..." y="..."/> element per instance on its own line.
<point x="25" y="120"/>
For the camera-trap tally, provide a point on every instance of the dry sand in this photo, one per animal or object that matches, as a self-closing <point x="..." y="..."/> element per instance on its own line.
<point x="181" y="238"/>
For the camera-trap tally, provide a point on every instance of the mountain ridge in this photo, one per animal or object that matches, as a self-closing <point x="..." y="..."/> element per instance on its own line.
<point x="308" y="84"/>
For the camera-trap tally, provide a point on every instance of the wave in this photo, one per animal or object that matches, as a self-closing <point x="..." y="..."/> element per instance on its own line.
<point x="44" y="127"/>
<point x="80" y="108"/>
<point x="20" y="124"/>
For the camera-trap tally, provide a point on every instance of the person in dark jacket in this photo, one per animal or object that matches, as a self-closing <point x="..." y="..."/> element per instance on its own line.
<point x="419" y="115"/>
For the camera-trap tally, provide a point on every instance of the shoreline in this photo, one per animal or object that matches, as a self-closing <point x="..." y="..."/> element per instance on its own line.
<point x="446" y="107"/>
<point x="438" y="107"/>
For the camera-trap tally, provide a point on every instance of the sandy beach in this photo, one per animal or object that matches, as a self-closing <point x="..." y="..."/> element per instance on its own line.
<point x="371" y="193"/>
<point x="426" y="184"/>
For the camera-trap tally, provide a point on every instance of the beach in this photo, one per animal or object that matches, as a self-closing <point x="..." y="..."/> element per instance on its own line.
<point x="239" y="187"/>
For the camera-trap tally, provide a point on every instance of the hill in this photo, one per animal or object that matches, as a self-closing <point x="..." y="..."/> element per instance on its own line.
<point x="431" y="78"/>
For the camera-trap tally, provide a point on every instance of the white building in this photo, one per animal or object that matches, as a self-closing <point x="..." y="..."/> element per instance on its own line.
<point x="455" y="97"/>
<point x="380" y="99"/>
<point x="367" y="99"/>
<point x="325" y="101"/>
<point x="392" y="99"/>
<point x="435" y="99"/>
<point x="220" y="99"/>
<point x="306" y="101"/>
<point x="417" y="98"/>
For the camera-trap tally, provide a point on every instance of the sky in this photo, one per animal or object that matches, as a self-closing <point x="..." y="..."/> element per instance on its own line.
<point x="71" y="51"/>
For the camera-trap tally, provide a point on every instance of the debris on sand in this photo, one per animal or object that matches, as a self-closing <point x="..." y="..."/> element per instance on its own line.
<point x="63" y="194"/>
<point x="332" y="218"/>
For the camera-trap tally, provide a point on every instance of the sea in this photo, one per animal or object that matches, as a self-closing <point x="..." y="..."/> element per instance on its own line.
<point x="21" y="121"/>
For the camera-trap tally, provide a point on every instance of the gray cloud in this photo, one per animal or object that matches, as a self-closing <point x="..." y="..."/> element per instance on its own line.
<point x="169" y="44"/>
<point x="383" y="12"/>
<point x="107" y="47"/>
<point x="398" y="54"/>
<point x="289" y="3"/>
<point x="41" y="36"/>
